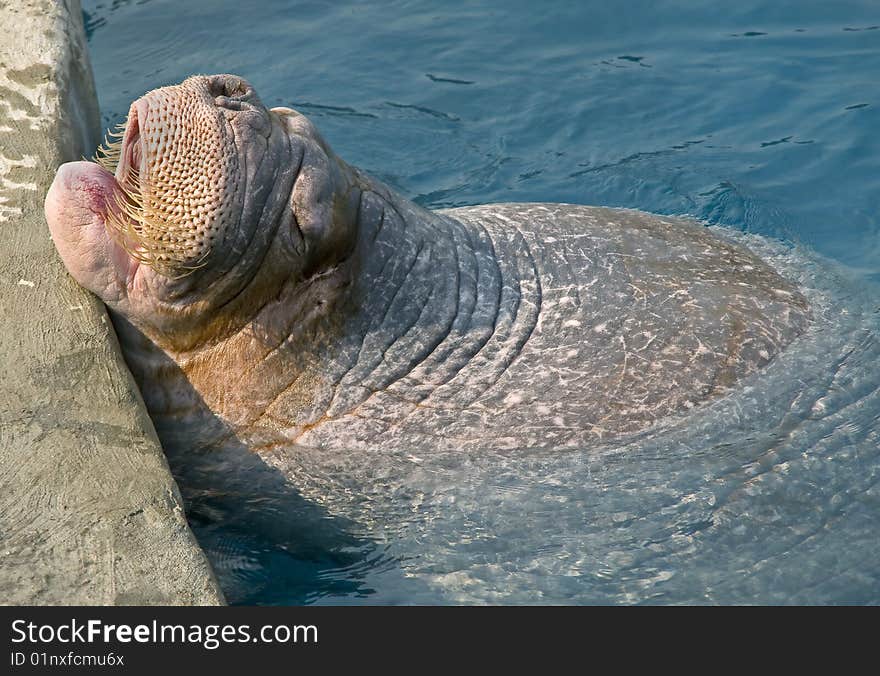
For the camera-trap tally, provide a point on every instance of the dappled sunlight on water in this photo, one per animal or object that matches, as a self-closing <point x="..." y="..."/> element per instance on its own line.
<point x="760" y="118"/>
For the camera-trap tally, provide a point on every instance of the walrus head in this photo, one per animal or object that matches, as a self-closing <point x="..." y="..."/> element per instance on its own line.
<point x="208" y="200"/>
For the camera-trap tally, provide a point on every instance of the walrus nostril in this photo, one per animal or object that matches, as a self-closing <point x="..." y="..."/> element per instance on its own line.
<point x="230" y="87"/>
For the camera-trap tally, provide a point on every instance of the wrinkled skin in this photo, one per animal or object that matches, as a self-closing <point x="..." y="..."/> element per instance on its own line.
<point x="290" y="298"/>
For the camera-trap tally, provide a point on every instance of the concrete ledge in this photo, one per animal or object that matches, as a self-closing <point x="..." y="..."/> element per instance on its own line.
<point x="89" y="513"/>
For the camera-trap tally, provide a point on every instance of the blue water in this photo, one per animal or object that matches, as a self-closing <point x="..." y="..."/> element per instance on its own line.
<point x="759" y="117"/>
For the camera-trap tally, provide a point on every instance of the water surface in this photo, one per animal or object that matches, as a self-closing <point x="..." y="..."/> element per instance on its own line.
<point x="758" y="117"/>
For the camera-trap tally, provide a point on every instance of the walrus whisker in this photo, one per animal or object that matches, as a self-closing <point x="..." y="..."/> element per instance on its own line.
<point x="108" y="154"/>
<point x="142" y="221"/>
<point x="143" y="236"/>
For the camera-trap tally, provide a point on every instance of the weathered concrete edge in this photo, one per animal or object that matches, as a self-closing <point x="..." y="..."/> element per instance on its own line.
<point x="89" y="512"/>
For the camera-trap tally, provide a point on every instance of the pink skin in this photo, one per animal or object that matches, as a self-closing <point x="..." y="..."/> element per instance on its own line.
<point x="76" y="205"/>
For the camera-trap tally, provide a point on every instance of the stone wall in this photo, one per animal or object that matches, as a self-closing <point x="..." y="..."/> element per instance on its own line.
<point x="89" y="513"/>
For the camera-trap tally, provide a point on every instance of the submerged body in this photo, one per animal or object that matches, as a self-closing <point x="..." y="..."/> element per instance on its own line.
<point x="267" y="294"/>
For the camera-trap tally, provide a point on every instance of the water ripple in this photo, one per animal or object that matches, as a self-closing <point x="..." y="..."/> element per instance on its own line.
<point x="768" y="496"/>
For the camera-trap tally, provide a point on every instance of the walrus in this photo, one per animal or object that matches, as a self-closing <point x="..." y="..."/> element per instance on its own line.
<point x="267" y="293"/>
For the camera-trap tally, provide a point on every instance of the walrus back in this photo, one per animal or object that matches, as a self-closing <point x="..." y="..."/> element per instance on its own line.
<point x="637" y="317"/>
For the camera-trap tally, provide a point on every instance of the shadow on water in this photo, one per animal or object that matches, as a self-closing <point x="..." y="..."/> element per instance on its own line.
<point x="263" y="537"/>
<point x="266" y="542"/>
